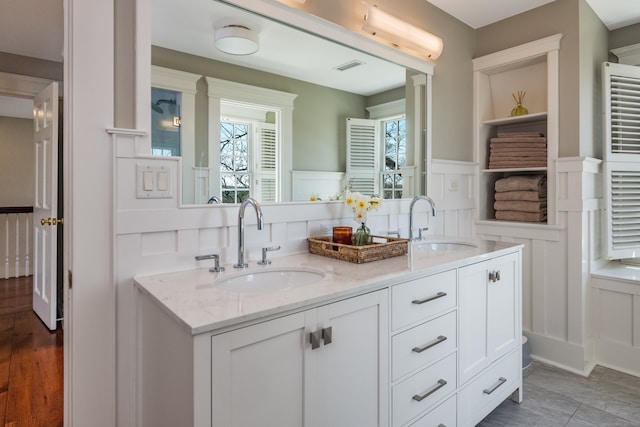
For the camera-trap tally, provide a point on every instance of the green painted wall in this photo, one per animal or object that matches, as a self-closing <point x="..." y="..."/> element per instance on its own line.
<point x="319" y="116"/>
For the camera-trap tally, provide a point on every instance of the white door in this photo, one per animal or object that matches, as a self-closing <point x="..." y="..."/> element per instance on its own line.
<point x="260" y="374"/>
<point x="353" y="367"/>
<point x="45" y="208"/>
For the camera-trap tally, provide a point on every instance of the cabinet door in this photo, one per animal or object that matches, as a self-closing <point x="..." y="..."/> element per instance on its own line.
<point x="488" y="313"/>
<point x="353" y="370"/>
<point x="258" y="373"/>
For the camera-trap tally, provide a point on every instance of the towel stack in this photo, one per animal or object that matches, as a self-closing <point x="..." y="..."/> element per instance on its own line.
<point x="521" y="198"/>
<point x="518" y="150"/>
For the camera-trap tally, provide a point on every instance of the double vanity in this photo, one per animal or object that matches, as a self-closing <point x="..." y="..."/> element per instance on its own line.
<point x="431" y="338"/>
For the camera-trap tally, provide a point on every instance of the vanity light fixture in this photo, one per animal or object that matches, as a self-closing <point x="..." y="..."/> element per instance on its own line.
<point x="401" y="34"/>
<point x="236" y="40"/>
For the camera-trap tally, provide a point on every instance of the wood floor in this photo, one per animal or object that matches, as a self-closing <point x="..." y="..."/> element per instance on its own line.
<point x="31" y="370"/>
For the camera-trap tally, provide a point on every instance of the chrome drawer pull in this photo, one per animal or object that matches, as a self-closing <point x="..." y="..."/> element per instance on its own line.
<point x="420" y="397"/>
<point x="427" y="299"/>
<point x="433" y="343"/>
<point x="493" y="388"/>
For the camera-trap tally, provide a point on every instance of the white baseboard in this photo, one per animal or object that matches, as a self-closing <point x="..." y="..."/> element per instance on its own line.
<point x="623" y="358"/>
<point x="568" y="356"/>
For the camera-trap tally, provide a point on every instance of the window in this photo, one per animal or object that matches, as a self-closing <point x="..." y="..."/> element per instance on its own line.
<point x="269" y="115"/>
<point x="235" y="176"/>
<point x="395" y="156"/>
<point x="622" y="160"/>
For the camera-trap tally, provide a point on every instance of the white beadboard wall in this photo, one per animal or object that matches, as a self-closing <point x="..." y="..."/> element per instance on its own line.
<point x="557" y="261"/>
<point x="616" y="323"/>
<point x="158" y="235"/>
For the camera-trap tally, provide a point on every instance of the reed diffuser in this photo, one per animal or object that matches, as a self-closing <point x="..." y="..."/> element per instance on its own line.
<point x="519" y="110"/>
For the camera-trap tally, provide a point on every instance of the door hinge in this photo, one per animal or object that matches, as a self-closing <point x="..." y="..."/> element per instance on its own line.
<point x="70" y="279"/>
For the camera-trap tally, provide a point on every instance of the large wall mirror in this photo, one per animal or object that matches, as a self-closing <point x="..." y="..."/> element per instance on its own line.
<point x="300" y="118"/>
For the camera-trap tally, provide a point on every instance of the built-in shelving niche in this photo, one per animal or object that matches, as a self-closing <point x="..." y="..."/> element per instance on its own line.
<point x="532" y="67"/>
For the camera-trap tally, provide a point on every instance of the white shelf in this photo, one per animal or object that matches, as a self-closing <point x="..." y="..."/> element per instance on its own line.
<point x="527" y="118"/>
<point x="541" y="169"/>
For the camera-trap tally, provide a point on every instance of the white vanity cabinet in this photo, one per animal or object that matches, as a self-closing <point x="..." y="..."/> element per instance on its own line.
<point x="321" y="367"/>
<point x="325" y="366"/>
<point x="490" y="330"/>
<point x="432" y="345"/>
<point x="423" y="349"/>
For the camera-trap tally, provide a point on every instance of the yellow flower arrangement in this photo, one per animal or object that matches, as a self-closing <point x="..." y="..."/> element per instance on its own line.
<point x="361" y="204"/>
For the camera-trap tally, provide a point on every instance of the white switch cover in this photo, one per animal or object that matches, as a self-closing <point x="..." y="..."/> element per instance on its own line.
<point x="163" y="181"/>
<point x="153" y="182"/>
<point x="147" y="180"/>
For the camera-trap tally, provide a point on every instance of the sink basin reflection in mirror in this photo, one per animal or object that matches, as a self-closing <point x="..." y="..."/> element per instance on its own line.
<point x="269" y="279"/>
<point x="440" y="246"/>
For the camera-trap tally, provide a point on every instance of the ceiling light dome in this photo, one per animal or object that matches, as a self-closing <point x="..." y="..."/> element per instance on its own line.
<point x="236" y="40"/>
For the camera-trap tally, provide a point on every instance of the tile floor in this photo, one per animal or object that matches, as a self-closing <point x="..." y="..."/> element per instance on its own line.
<point x="554" y="397"/>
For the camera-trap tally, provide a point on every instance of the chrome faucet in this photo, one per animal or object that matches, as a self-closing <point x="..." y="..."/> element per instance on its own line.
<point x="243" y="206"/>
<point x="413" y="202"/>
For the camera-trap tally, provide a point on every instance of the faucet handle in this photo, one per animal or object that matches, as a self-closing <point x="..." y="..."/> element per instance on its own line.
<point x="420" y="230"/>
<point x="264" y="260"/>
<point x="216" y="267"/>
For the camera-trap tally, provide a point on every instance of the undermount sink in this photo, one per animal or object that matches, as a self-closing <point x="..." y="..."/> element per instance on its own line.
<point x="269" y="279"/>
<point x="441" y="246"/>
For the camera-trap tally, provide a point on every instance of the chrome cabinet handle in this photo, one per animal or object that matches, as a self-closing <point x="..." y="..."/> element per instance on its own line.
<point x="326" y="335"/>
<point x="427" y="346"/>
<point x="315" y="339"/>
<point x="419" y="397"/>
<point x="441" y="425"/>
<point x="494" y="276"/>
<point x="431" y="298"/>
<point x="494" y="387"/>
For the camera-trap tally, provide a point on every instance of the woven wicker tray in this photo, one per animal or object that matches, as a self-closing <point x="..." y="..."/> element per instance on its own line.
<point x="358" y="254"/>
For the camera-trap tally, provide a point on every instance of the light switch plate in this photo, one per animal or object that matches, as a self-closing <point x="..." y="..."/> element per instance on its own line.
<point x="153" y="182"/>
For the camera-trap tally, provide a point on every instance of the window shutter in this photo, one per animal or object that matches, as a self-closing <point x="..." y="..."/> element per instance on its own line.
<point x="266" y="181"/>
<point x="622" y="112"/>
<point x="362" y="156"/>
<point x="622" y="160"/>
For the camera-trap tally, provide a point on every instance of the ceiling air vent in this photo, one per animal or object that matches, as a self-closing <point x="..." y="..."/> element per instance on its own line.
<point x="349" y="65"/>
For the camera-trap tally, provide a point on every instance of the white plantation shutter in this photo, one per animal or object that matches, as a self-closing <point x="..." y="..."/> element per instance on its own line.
<point x="622" y="114"/>
<point x="266" y="168"/>
<point x="622" y="160"/>
<point x="362" y="156"/>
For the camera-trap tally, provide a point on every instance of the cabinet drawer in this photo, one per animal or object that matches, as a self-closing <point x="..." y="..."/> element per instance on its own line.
<point x="423" y="390"/>
<point x="485" y="392"/>
<point x="422" y="298"/>
<point x="442" y="415"/>
<point x="423" y="344"/>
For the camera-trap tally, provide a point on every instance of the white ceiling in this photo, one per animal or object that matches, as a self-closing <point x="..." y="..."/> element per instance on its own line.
<point x="613" y="13"/>
<point x="35" y="28"/>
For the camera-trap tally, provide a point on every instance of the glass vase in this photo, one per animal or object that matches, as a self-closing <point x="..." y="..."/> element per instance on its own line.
<point x="362" y="236"/>
<point x="519" y="110"/>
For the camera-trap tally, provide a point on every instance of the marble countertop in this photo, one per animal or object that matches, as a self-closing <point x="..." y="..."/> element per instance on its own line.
<point x="199" y="304"/>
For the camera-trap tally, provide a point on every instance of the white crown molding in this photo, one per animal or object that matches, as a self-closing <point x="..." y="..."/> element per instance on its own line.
<point x="629" y="55"/>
